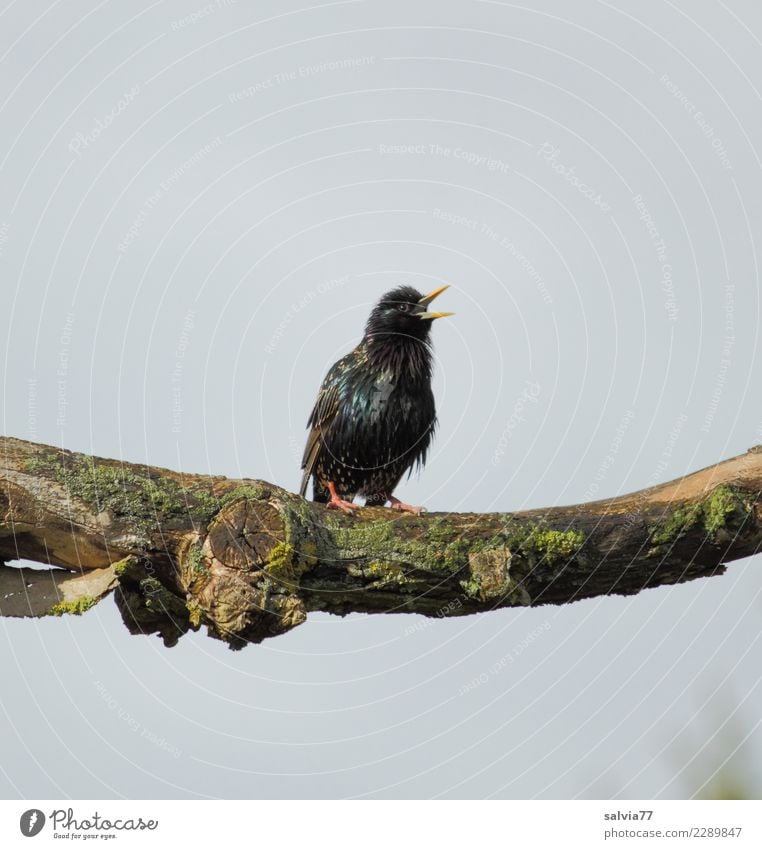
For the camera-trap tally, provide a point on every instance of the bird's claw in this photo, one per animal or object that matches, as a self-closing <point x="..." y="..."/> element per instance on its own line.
<point x="336" y="502"/>
<point x="407" y="508"/>
<point x="345" y="506"/>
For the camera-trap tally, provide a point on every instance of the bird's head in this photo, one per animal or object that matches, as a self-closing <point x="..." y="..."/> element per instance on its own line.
<point x="404" y="311"/>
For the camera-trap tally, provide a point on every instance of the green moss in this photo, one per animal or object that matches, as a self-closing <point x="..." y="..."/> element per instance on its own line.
<point x="535" y="542"/>
<point x="205" y="502"/>
<point x="486" y="544"/>
<point x="438" y="557"/>
<point x="439" y="530"/>
<point x="287" y="564"/>
<point x="142" y="499"/>
<point x="42" y="462"/>
<point x="281" y="559"/>
<point x="388" y="573"/>
<point x="681" y="520"/>
<point x="131" y="568"/>
<point x="719" y="507"/>
<point x="407" y="551"/>
<point x="555" y="545"/>
<point x="472" y="587"/>
<point x="439" y="549"/>
<point x="121" y="566"/>
<point x="385" y="569"/>
<point x="76" y="608"/>
<point x="308" y="553"/>
<point x="195" y="558"/>
<point x="246" y="492"/>
<point x="723" y="508"/>
<point x="367" y="536"/>
<point x="452" y="558"/>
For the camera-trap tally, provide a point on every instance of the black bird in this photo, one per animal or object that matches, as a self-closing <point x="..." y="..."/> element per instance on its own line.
<point x="374" y="415"/>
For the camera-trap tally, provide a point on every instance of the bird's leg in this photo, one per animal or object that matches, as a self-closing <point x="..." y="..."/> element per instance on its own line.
<point x="337" y="502"/>
<point x="405" y="508"/>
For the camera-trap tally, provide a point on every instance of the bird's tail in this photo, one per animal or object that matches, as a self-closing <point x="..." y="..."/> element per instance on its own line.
<point x="305" y="481"/>
<point x="319" y="493"/>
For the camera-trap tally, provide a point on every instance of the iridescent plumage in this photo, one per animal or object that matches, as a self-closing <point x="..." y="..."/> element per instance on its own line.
<point x="375" y="415"/>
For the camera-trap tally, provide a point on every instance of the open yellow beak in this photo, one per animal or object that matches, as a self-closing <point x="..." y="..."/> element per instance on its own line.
<point x="427" y="299"/>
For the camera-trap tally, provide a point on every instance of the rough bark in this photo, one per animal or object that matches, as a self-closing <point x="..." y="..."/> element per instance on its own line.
<point x="249" y="560"/>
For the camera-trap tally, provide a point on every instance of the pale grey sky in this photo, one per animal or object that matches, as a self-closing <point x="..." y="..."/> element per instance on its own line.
<point x="199" y="204"/>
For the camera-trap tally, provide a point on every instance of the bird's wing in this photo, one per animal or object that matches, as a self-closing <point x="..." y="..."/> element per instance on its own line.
<point x="321" y="417"/>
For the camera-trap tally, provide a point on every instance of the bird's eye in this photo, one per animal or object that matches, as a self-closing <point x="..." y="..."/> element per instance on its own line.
<point x="403" y="307"/>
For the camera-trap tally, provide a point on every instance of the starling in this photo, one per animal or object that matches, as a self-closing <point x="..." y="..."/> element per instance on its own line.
<point x="374" y="416"/>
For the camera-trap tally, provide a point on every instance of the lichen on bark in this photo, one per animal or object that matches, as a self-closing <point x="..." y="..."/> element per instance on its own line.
<point x="249" y="561"/>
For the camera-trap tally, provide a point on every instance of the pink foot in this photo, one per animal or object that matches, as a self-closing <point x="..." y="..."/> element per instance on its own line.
<point x="338" y="503"/>
<point x="405" y="508"/>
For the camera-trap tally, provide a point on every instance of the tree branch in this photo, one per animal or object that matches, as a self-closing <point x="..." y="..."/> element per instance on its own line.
<point x="249" y="560"/>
